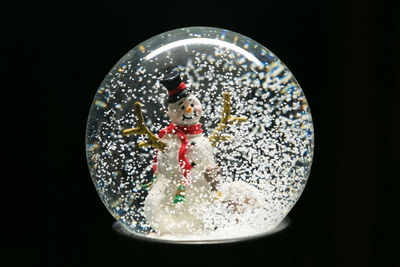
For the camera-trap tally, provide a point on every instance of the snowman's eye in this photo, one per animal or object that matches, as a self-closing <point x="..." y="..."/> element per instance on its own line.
<point x="192" y="105"/>
<point x="182" y="107"/>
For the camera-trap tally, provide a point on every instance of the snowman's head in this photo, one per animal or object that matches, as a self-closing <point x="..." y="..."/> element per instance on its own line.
<point x="185" y="112"/>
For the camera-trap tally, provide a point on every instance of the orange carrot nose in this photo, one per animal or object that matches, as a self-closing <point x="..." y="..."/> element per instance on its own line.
<point x="189" y="109"/>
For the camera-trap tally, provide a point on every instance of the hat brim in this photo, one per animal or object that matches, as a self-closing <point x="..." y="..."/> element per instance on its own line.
<point x="178" y="96"/>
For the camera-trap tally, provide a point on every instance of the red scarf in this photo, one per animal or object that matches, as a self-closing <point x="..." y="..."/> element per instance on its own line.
<point x="181" y="132"/>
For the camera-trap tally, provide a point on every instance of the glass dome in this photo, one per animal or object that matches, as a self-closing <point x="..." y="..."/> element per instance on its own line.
<point x="237" y="173"/>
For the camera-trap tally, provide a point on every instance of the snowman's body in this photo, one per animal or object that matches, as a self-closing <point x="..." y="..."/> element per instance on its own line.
<point x="185" y="217"/>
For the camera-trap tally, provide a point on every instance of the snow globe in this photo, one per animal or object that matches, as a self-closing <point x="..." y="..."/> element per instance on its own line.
<point x="199" y="134"/>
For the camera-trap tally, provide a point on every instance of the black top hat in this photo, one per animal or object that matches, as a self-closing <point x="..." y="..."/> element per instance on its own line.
<point x="176" y="88"/>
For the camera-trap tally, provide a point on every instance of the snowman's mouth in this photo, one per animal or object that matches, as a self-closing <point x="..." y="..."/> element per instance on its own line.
<point x="186" y="118"/>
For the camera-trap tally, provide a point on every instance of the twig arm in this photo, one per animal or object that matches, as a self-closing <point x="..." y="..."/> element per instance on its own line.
<point x="226" y="120"/>
<point x="141" y="128"/>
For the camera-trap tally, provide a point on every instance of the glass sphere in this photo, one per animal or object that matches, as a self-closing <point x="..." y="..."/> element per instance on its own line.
<point x="260" y="155"/>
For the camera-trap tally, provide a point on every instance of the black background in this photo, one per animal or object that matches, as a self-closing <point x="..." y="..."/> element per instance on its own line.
<point x="345" y="55"/>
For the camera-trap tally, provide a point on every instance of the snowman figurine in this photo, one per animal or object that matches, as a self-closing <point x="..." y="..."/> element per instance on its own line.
<point x="185" y="173"/>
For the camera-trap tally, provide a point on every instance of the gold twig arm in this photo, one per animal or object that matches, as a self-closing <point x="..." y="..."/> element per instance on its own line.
<point x="226" y="120"/>
<point x="141" y="128"/>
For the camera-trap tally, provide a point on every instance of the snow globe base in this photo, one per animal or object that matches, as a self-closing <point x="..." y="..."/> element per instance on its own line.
<point x="275" y="246"/>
